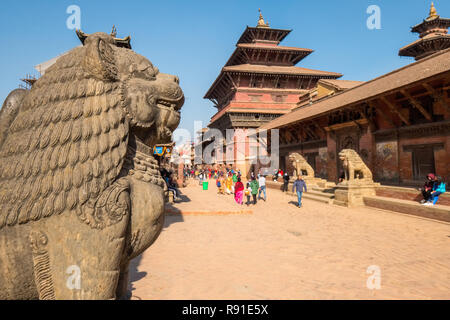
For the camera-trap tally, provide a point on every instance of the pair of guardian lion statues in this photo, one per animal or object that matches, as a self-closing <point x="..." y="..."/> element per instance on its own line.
<point x="80" y="192"/>
<point x="354" y="167"/>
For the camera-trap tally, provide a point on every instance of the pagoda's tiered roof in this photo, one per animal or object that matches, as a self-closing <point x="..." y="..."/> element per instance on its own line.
<point x="257" y="52"/>
<point x="244" y="52"/>
<point x="433" y="36"/>
<point x="252" y="34"/>
<point x="285" y="70"/>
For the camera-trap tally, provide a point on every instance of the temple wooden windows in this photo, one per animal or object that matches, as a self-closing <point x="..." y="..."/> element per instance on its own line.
<point x="280" y="83"/>
<point x="277" y="83"/>
<point x="255" y="82"/>
<point x="278" y="98"/>
<point x="255" y="97"/>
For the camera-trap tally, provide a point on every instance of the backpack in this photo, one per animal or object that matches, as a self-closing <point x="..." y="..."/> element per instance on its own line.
<point x="218" y="183"/>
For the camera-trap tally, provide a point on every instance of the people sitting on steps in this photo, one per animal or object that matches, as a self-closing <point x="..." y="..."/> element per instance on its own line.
<point x="171" y="186"/>
<point x="432" y="189"/>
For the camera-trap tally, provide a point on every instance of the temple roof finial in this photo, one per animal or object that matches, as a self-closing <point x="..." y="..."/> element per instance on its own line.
<point x="261" y="23"/>
<point x="114" y="31"/>
<point x="433" y="13"/>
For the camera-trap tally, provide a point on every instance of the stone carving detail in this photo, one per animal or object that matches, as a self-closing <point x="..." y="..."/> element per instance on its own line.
<point x="301" y="165"/>
<point x="41" y="265"/>
<point x="76" y="163"/>
<point x="354" y="166"/>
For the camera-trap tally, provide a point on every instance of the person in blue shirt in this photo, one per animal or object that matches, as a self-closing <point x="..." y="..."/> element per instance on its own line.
<point x="298" y="187"/>
<point x="438" y="189"/>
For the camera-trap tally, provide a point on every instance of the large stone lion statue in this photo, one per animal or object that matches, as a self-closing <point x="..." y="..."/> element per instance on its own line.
<point x="354" y="166"/>
<point x="301" y="165"/>
<point x="80" y="192"/>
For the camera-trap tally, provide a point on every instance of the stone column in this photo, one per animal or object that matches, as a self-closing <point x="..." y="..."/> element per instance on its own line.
<point x="180" y="178"/>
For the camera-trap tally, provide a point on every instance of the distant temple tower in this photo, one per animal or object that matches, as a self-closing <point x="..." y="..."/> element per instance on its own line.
<point x="260" y="81"/>
<point x="433" y="36"/>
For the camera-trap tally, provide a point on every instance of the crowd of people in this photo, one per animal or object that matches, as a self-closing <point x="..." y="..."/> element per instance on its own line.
<point x="434" y="186"/>
<point x="245" y="191"/>
<point x="231" y="183"/>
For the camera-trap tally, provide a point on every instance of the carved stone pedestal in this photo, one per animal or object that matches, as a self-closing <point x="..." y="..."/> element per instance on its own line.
<point x="350" y="194"/>
<point x="312" y="181"/>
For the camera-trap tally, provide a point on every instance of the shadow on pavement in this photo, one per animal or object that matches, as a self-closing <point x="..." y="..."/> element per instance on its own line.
<point x="173" y="215"/>
<point x="294" y="203"/>
<point x="135" y="275"/>
<point x="183" y="198"/>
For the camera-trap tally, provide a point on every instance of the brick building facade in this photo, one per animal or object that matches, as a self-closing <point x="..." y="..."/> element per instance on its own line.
<point x="399" y="123"/>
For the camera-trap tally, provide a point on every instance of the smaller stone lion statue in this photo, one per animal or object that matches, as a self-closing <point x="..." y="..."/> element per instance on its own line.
<point x="302" y="167"/>
<point x="354" y="166"/>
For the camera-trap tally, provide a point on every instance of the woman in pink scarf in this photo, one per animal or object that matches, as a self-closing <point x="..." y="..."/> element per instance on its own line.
<point x="239" y="192"/>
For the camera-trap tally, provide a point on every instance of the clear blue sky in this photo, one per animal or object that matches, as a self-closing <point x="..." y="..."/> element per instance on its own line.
<point x="193" y="39"/>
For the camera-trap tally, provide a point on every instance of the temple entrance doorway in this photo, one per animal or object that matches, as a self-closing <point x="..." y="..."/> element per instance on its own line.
<point x="348" y="139"/>
<point x="423" y="162"/>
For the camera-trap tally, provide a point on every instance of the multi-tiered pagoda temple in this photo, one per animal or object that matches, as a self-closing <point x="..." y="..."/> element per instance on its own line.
<point x="260" y="81"/>
<point x="433" y="36"/>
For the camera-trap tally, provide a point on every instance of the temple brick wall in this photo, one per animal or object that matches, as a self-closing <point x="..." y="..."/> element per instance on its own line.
<point x="385" y="167"/>
<point x="367" y="146"/>
<point x="331" y="160"/>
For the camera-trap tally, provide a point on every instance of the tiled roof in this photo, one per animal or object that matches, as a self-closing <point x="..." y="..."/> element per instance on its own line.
<point x="430" y="66"/>
<point x="254" y="68"/>
<point x="405" y="50"/>
<point x="266" y="47"/>
<point x="341" y="84"/>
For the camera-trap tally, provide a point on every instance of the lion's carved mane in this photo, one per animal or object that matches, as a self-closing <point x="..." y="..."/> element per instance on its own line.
<point x="68" y="141"/>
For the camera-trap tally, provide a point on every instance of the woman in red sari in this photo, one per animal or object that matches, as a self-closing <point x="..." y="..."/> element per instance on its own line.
<point x="239" y="191"/>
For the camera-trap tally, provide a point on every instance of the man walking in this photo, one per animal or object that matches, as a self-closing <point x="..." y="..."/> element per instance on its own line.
<point x="298" y="187"/>
<point x="262" y="187"/>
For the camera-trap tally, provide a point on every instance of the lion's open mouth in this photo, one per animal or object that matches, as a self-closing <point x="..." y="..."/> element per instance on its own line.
<point x="171" y="104"/>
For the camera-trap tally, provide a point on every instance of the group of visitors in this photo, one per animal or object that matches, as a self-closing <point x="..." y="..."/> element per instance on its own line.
<point x="432" y="189"/>
<point x="232" y="183"/>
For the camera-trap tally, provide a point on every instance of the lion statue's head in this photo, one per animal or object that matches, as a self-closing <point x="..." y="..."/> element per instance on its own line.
<point x="346" y="155"/>
<point x="70" y="136"/>
<point x="296" y="158"/>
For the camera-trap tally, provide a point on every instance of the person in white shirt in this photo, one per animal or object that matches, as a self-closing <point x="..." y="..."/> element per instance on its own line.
<point x="262" y="187"/>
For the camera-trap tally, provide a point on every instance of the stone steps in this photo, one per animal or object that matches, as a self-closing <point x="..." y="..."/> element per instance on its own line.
<point x="436" y="212"/>
<point x="316" y="196"/>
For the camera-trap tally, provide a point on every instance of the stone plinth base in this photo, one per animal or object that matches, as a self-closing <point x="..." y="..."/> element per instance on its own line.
<point x="312" y="181"/>
<point x="352" y="193"/>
